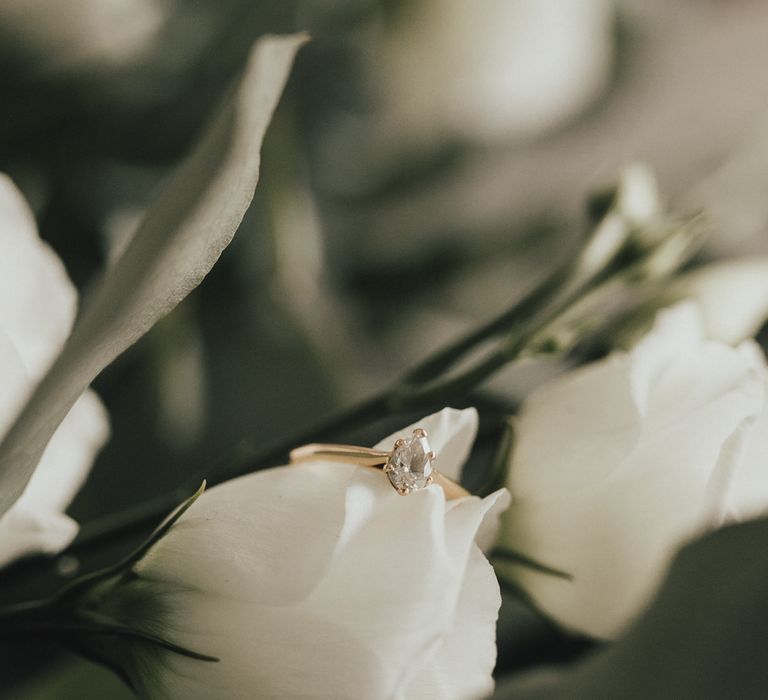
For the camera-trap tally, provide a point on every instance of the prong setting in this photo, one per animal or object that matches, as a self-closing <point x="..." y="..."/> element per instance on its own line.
<point x="409" y="466"/>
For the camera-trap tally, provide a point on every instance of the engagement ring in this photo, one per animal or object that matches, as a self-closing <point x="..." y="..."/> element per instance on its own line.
<point x="408" y="465"/>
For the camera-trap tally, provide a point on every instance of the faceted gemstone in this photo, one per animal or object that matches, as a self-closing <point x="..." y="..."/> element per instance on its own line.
<point x="409" y="467"/>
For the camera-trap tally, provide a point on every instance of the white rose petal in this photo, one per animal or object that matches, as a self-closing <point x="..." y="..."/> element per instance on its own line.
<point x="37" y="308"/>
<point x="319" y="580"/>
<point x="732" y="297"/>
<point x="14" y="379"/>
<point x="747" y="494"/>
<point x="37" y="299"/>
<point x="66" y="461"/>
<point x="36" y="523"/>
<point x="26" y="529"/>
<point x="619" y="462"/>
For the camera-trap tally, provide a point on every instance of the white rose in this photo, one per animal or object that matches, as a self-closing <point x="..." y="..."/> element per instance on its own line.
<point x="66" y="39"/>
<point x="319" y="580"/>
<point x="37" y="308"/>
<point x="619" y="462"/>
<point x="496" y="68"/>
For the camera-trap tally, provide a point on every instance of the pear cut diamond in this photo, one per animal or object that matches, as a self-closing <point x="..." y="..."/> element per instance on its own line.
<point x="409" y="467"/>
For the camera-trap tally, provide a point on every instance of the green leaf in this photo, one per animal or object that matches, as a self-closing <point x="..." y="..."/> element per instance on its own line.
<point x="122" y="567"/>
<point x="496" y="477"/>
<point x="514" y="557"/>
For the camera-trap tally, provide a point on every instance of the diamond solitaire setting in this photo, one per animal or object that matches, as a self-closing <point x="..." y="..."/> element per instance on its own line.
<point x="409" y="466"/>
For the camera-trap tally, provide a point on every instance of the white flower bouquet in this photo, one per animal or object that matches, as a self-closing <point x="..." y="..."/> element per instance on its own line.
<point x="578" y="504"/>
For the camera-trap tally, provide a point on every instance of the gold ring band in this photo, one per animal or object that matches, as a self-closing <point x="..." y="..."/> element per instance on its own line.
<point x="408" y="465"/>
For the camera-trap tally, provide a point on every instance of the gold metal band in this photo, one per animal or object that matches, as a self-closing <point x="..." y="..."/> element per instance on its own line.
<point x="369" y="458"/>
<point x="350" y="454"/>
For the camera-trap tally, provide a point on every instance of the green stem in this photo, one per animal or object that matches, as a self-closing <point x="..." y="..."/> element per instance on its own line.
<point x="45" y="618"/>
<point x="17" y="617"/>
<point x="516" y="315"/>
<point x="510" y="555"/>
<point x="429" y="384"/>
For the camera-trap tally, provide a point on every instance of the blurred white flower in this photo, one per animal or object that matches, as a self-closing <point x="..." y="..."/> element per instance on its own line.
<point x="447" y="72"/>
<point x="619" y="462"/>
<point x="319" y="580"/>
<point x="37" y="308"/>
<point x="497" y="68"/>
<point x="82" y="33"/>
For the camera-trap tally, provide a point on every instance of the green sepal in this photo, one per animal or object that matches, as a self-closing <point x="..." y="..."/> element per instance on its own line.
<point x="124" y="565"/>
<point x="68" y="615"/>
<point x="514" y="557"/>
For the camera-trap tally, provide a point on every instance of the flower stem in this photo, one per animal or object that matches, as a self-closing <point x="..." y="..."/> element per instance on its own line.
<point x="619" y="240"/>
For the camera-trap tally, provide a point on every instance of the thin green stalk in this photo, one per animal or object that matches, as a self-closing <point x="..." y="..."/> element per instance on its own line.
<point x="49" y="618"/>
<point x="614" y="246"/>
<point x="510" y="555"/>
<point x="516" y="315"/>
